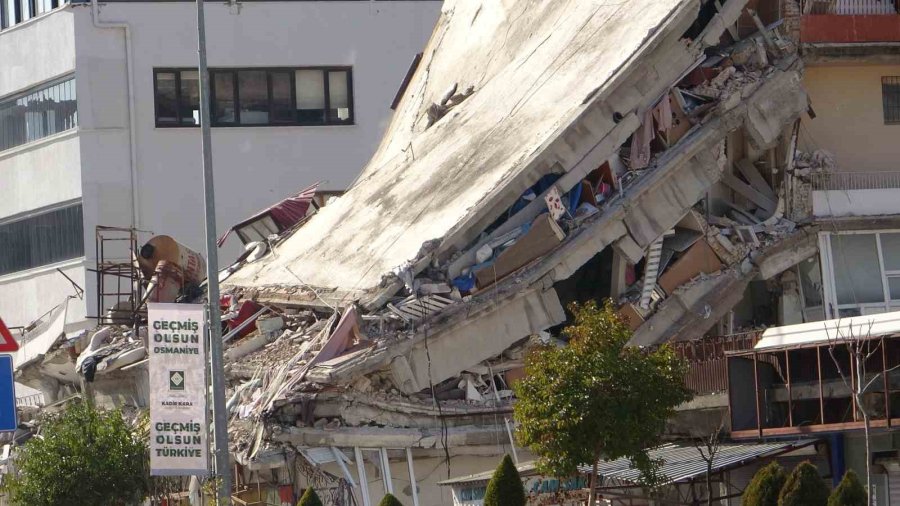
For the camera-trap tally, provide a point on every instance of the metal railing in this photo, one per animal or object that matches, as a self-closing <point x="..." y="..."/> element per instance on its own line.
<point x="706" y="358"/>
<point x="855" y="180"/>
<point x="30" y="400"/>
<point x="851" y="7"/>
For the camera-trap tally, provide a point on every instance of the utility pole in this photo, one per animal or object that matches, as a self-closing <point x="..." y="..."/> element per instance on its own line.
<point x="217" y="371"/>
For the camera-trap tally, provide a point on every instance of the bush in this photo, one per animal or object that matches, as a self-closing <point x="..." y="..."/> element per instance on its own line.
<point x="850" y="492"/>
<point x="764" y="487"/>
<point x="310" y="498"/>
<point x="505" y="487"/>
<point x="804" y="487"/>
<point x="390" y="500"/>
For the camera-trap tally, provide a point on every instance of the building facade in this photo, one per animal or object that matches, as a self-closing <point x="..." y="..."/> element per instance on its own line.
<point x="99" y="114"/>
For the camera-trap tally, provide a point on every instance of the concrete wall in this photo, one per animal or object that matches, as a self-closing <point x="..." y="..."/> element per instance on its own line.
<point x="849" y="117"/>
<point x="42" y="173"/>
<point x="838" y="203"/>
<point x="36" y="51"/>
<point x="24" y="296"/>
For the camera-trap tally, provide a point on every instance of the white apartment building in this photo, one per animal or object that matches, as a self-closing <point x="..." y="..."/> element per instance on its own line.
<point x="98" y="121"/>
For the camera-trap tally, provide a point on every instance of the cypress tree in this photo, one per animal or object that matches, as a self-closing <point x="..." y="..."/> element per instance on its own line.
<point x="804" y="487"/>
<point x="390" y="500"/>
<point x="849" y="492"/>
<point x="505" y="487"/>
<point x="310" y="498"/>
<point x="764" y="487"/>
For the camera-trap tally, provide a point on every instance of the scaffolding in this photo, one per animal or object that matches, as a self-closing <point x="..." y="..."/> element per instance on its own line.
<point x="119" y="280"/>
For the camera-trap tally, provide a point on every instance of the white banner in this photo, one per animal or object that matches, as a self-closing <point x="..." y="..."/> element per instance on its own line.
<point x="178" y="440"/>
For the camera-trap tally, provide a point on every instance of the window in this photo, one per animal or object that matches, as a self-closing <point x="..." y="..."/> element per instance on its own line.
<point x="890" y="98"/>
<point x="41" y="239"/>
<point x="13" y="12"/>
<point x="865" y="273"/>
<point x="257" y="96"/>
<point x="38" y="113"/>
<point x="177" y="97"/>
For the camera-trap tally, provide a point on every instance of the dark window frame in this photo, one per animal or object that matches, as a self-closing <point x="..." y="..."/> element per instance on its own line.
<point x="31" y="252"/>
<point x="291" y="71"/>
<point x="890" y="99"/>
<point x="8" y="139"/>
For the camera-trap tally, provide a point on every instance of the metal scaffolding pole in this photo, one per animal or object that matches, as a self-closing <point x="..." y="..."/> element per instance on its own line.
<point x="217" y="372"/>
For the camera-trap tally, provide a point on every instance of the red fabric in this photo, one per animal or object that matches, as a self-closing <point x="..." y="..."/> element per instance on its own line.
<point x="286" y="494"/>
<point x="248" y="309"/>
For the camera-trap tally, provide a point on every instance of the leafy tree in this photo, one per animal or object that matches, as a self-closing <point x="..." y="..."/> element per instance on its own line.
<point x="804" y="487"/>
<point x="765" y="486"/>
<point x="84" y="457"/>
<point x="849" y="492"/>
<point x="597" y="398"/>
<point x="310" y="498"/>
<point x="390" y="500"/>
<point x="505" y="487"/>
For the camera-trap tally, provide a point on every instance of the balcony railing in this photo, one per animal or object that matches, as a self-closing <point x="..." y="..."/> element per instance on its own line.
<point x="843" y="181"/>
<point x="851" y="7"/>
<point x="706" y="358"/>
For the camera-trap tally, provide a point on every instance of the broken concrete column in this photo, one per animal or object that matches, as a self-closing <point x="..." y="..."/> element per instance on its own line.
<point x="480" y="337"/>
<point x="403" y="376"/>
<point x="619" y="269"/>
<point x="790" y="305"/>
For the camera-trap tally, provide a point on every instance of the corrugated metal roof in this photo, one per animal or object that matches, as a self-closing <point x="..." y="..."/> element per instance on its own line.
<point x="811" y="334"/>
<point x="681" y="462"/>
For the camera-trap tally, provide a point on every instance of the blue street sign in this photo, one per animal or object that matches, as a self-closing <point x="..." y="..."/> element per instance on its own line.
<point x="8" y="421"/>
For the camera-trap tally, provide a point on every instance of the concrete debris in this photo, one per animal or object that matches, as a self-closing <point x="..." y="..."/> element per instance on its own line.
<point x="408" y="305"/>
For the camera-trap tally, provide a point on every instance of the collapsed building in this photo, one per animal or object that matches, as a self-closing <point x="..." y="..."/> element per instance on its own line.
<point x="541" y="153"/>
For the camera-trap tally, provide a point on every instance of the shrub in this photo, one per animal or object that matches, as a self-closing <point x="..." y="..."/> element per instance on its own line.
<point x="390" y="500"/>
<point x="505" y="487"/>
<point x="764" y="487"/>
<point x="804" y="487"/>
<point x="850" y="492"/>
<point x="310" y="498"/>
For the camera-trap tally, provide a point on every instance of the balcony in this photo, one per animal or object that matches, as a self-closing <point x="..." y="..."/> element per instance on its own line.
<point x="841" y="194"/>
<point x="850" y="21"/>
<point x="706" y="358"/>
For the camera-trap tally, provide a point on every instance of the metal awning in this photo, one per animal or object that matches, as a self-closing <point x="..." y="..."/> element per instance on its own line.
<point x="680" y="462"/>
<point x="817" y="333"/>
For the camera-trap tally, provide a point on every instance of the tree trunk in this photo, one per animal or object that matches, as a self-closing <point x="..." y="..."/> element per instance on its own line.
<point x="709" y="498"/>
<point x="592" y="494"/>
<point x="866" y="424"/>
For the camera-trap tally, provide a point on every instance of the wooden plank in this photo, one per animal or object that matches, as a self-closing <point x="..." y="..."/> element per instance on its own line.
<point x="749" y="192"/>
<point x="749" y="171"/>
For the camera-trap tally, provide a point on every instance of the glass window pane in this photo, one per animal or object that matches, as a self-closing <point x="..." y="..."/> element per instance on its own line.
<point x="857" y="275"/>
<point x="42" y="239"/>
<point x="282" y="111"/>
<point x="310" y="96"/>
<point x="890" y="251"/>
<point x="339" y="99"/>
<point x="190" y="97"/>
<point x="223" y="109"/>
<point x="894" y="287"/>
<point x="166" y="111"/>
<point x="253" y="91"/>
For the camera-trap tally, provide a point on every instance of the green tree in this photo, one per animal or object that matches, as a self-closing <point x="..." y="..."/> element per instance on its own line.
<point x="390" y="500"/>
<point x="84" y="457"/>
<point x="765" y="486"/>
<point x="804" y="487"/>
<point x="597" y="397"/>
<point x="505" y="487"/>
<point x="310" y="498"/>
<point x="849" y="492"/>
